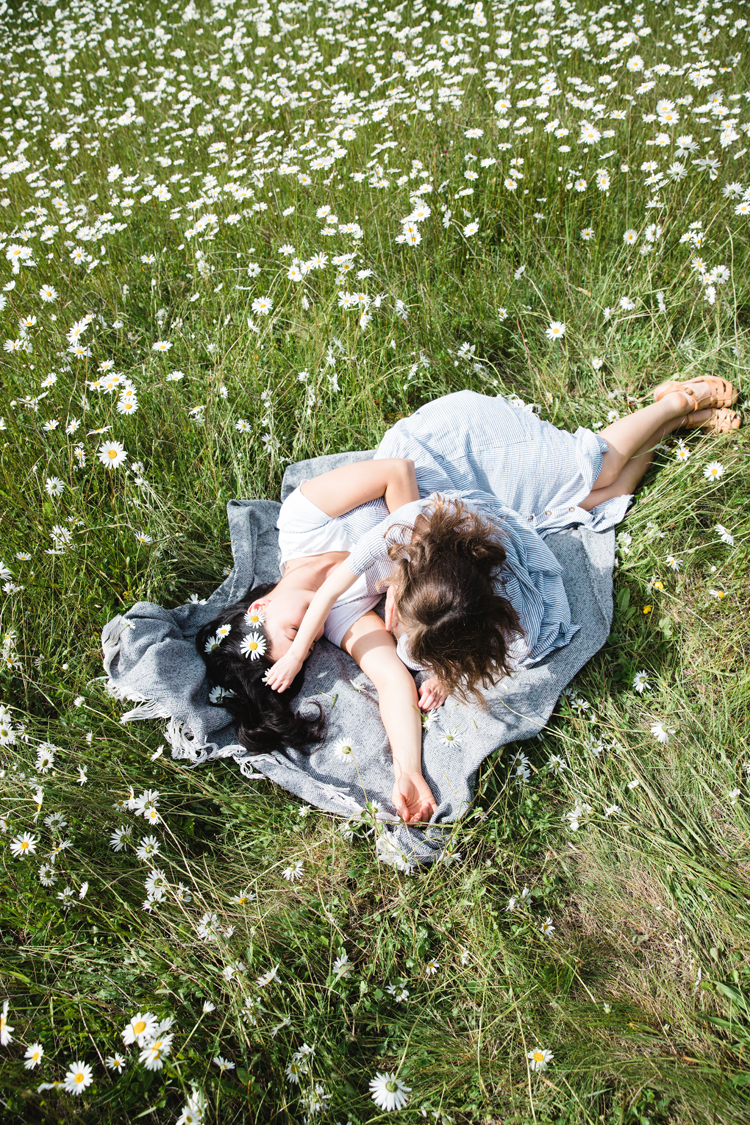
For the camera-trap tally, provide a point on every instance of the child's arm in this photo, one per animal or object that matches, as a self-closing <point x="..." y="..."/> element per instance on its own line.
<point x="337" y="583"/>
<point x="347" y="487"/>
<point x="374" y="649"/>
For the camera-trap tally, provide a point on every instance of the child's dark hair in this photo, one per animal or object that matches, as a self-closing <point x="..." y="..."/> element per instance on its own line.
<point x="265" y="719"/>
<point x="445" y="574"/>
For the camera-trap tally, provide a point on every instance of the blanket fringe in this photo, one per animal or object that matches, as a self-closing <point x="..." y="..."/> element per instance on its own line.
<point x="149" y="709"/>
<point x="114" y="691"/>
<point x="184" y="743"/>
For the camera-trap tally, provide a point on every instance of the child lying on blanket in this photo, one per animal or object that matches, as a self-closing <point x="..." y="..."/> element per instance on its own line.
<point x="473" y="591"/>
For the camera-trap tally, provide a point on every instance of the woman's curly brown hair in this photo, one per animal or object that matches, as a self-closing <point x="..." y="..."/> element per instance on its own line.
<point x="445" y="576"/>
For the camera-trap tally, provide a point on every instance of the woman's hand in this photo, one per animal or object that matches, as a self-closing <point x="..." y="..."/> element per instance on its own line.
<point x="412" y="798"/>
<point x="431" y="695"/>
<point x="282" y="674"/>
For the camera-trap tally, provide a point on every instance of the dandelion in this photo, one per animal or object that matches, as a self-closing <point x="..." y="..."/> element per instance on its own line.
<point x="389" y="1092"/>
<point x="539" y="1059"/>
<point x="556" y="330"/>
<point x="79" y="1076"/>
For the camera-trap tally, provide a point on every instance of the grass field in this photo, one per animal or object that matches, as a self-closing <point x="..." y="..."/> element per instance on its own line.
<point x="266" y="233"/>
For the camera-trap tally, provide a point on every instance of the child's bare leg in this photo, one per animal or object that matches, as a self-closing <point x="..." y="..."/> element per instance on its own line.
<point x="628" y="437"/>
<point x="374" y="649"/>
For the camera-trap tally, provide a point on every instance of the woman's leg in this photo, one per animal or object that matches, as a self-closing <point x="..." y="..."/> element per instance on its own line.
<point x="632" y="441"/>
<point x="628" y="480"/>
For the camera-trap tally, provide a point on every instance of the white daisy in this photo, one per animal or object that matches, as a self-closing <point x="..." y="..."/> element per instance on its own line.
<point x="389" y="1092"/>
<point x="112" y="454"/>
<point x="253" y="645"/>
<point x="539" y="1059"/>
<point x="345" y="750"/>
<point x="79" y="1076"/>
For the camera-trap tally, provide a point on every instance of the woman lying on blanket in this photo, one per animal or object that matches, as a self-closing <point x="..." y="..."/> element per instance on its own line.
<point x="450" y="516"/>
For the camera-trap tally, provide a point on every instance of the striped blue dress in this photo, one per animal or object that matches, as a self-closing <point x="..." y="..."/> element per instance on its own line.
<point x="471" y="441"/>
<point x="531" y="577"/>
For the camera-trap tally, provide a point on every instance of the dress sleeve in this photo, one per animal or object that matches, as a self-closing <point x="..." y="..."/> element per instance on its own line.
<point x="373" y="546"/>
<point x="531" y="579"/>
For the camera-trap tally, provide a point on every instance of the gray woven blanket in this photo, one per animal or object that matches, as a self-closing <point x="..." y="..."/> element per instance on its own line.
<point x="150" y="658"/>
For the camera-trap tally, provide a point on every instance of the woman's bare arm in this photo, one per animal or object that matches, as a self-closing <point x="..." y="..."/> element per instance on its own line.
<point x="281" y="676"/>
<point x="347" y="487"/>
<point x="374" y="649"/>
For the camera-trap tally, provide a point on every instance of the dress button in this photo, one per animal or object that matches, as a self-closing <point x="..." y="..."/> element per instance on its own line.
<point x="531" y="517"/>
<point x="548" y="512"/>
<point x="571" y="509"/>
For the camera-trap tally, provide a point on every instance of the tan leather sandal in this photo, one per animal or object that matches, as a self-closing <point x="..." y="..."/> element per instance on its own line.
<point x="722" y="421"/>
<point x="722" y="393"/>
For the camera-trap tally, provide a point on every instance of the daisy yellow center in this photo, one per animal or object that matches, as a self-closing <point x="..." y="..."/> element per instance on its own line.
<point x="78" y="1077"/>
<point x="139" y="1027"/>
<point x="24" y="844"/>
<point x="538" y="1056"/>
<point x="346" y="749"/>
<point x="112" y="453"/>
<point x="253" y="645"/>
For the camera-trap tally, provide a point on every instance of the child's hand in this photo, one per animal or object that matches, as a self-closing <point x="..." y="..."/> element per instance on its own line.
<point x="282" y="674"/>
<point x="431" y="695"/>
<point x="412" y="798"/>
